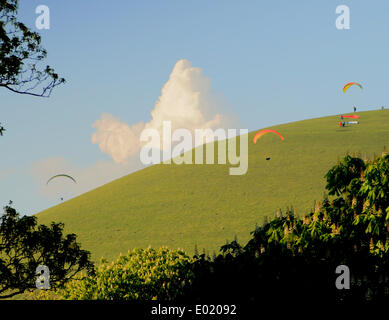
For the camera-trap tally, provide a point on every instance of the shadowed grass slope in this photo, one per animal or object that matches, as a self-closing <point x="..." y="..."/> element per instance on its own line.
<point x="183" y="205"/>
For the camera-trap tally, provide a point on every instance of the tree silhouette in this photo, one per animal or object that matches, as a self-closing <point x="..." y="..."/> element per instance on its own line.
<point x="20" y="56"/>
<point x="24" y="246"/>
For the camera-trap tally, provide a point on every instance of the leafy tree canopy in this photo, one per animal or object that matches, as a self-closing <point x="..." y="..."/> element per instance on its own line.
<point x="300" y="254"/>
<point x="24" y="246"/>
<point x="141" y="274"/>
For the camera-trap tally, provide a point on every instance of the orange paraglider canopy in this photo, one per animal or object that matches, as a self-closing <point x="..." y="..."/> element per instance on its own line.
<point x="263" y="132"/>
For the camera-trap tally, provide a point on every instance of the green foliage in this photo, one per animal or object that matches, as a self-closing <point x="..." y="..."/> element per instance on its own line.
<point x="340" y="177"/>
<point x="142" y="274"/>
<point x="24" y="246"/>
<point x="289" y="252"/>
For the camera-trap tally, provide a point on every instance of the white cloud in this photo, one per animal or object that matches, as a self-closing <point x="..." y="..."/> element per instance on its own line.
<point x="186" y="100"/>
<point x="116" y="138"/>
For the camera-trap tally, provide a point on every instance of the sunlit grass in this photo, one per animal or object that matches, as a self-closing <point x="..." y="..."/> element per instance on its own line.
<point x="183" y="205"/>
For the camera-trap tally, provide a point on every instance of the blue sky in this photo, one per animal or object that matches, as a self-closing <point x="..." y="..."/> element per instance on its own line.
<point x="271" y="61"/>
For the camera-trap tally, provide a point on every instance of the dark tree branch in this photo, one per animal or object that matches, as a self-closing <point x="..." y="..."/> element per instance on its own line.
<point x="25" y="92"/>
<point x="20" y="54"/>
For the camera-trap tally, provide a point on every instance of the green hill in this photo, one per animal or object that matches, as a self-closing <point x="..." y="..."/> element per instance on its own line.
<point x="183" y="205"/>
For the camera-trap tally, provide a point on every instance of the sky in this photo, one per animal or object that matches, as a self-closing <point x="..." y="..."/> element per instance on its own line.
<point x="129" y="65"/>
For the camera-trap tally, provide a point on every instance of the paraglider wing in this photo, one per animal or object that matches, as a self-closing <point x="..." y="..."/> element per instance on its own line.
<point x="352" y="116"/>
<point x="348" y="85"/>
<point x="263" y="132"/>
<point x="61" y="175"/>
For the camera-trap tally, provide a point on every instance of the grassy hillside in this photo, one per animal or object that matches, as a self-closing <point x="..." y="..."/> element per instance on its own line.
<point x="183" y="205"/>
